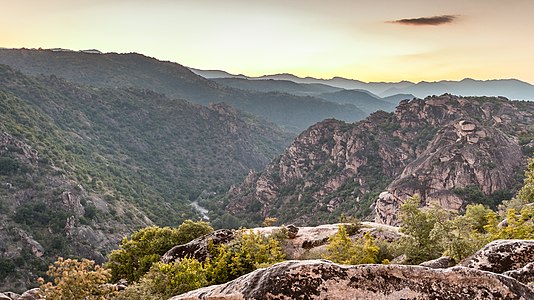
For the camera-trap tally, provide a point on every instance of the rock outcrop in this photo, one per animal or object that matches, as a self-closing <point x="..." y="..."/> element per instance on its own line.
<point x="32" y="294"/>
<point x="441" y="148"/>
<point x="4" y="297"/>
<point x="524" y="275"/>
<point x="502" y="255"/>
<point x="439" y="263"/>
<point x="317" y="279"/>
<point x="198" y="248"/>
<point x="300" y="242"/>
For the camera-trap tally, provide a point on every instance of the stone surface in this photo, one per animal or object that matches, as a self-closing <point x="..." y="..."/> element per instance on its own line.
<point x="502" y="255"/>
<point x="317" y="279"/>
<point x="439" y="263"/>
<point x="12" y="296"/>
<point x="30" y="295"/>
<point x="292" y="231"/>
<point x="198" y="248"/>
<point x="524" y="275"/>
<point x="4" y="297"/>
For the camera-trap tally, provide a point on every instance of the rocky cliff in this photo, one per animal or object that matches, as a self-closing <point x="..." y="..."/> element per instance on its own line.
<point x="448" y="149"/>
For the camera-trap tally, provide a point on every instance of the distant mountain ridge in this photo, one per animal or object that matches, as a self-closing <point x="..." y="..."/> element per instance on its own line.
<point x="510" y="88"/>
<point x="114" y="70"/>
<point x="364" y="100"/>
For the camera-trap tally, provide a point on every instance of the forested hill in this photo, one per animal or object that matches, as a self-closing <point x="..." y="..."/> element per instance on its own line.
<point x="112" y="70"/>
<point x="80" y="166"/>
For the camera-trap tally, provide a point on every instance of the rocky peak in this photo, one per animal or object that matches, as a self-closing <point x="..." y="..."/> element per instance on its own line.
<point x="432" y="147"/>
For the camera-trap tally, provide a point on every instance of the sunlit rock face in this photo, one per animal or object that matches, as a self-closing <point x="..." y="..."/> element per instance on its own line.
<point x="317" y="279"/>
<point x="433" y="147"/>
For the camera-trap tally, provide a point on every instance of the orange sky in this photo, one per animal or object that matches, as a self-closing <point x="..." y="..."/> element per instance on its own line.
<point x="485" y="39"/>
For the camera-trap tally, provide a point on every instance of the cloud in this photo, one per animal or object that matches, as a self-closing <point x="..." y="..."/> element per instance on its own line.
<point x="427" y="21"/>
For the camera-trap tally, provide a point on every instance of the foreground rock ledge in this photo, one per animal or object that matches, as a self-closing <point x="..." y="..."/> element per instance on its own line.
<point x="319" y="279"/>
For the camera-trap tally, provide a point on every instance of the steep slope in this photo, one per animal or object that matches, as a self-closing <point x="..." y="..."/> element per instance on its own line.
<point x="134" y="70"/>
<point x="449" y="149"/>
<point x="80" y="167"/>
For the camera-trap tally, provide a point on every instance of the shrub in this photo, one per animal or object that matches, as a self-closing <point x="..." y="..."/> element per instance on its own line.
<point x="166" y="280"/>
<point x="74" y="280"/>
<point x="341" y="249"/>
<point x="247" y="253"/>
<point x="419" y="244"/>
<point x="136" y="255"/>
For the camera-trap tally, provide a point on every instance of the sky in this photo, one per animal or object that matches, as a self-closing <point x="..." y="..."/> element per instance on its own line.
<point x="369" y="40"/>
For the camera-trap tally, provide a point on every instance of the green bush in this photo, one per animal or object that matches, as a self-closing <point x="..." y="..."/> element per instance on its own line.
<point x="136" y="255"/>
<point x="418" y="243"/>
<point x="166" y="280"/>
<point x="8" y="166"/>
<point x="7" y="266"/>
<point x="247" y="253"/>
<point x="341" y="249"/>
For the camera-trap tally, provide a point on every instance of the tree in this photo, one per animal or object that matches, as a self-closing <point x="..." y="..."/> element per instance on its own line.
<point x="518" y="226"/>
<point x="524" y="196"/>
<point x="247" y="253"/>
<point x="462" y="236"/>
<point x="341" y="249"/>
<point x="136" y="255"/>
<point x="419" y="244"/>
<point x="269" y="221"/>
<point x="74" y="280"/>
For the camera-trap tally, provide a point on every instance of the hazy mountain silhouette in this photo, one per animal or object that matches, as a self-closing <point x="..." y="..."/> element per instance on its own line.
<point x="176" y="81"/>
<point x="364" y="100"/>
<point x="510" y="88"/>
<point x="271" y="85"/>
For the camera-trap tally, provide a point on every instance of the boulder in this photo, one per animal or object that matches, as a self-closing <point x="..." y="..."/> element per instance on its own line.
<point x="32" y="294"/>
<point x="524" y="275"/>
<point x="12" y="296"/>
<point x="292" y="231"/>
<point x="439" y="263"/>
<point x="4" y="297"/>
<point x="502" y="255"/>
<point x="319" y="279"/>
<point x="198" y="248"/>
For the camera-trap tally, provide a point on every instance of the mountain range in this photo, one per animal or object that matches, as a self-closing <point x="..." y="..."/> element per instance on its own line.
<point x="293" y="112"/>
<point x="510" y="88"/>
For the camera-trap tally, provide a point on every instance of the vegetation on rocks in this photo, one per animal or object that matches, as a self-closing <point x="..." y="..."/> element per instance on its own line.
<point x="341" y="249"/>
<point x="136" y="255"/>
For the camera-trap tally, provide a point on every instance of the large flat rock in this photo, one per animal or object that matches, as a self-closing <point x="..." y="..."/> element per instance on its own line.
<point x="319" y="279"/>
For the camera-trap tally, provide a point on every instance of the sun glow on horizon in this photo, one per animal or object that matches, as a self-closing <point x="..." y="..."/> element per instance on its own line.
<point x="359" y="39"/>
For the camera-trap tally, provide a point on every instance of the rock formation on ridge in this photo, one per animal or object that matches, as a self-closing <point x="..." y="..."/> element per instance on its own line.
<point x="444" y="148"/>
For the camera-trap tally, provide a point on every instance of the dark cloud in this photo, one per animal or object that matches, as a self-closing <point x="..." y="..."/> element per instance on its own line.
<point x="427" y="21"/>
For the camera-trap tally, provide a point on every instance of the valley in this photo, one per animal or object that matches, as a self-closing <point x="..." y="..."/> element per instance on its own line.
<point x="96" y="146"/>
